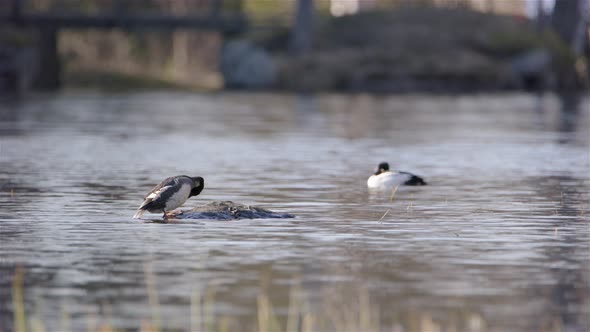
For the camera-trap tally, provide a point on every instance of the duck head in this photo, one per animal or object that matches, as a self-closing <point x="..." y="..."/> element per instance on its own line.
<point x="198" y="185"/>
<point x="383" y="167"/>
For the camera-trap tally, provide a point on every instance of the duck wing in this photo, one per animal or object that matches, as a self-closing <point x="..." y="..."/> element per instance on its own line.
<point x="412" y="180"/>
<point x="158" y="195"/>
<point x="171" y="181"/>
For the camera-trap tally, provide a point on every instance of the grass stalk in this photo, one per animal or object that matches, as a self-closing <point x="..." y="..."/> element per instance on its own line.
<point x="65" y="318"/>
<point x="266" y="319"/>
<point x="196" y="311"/>
<point x="294" y="313"/>
<point x="393" y="191"/>
<point x="20" y="323"/>
<point x="209" y="304"/>
<point x="152" y="296"/>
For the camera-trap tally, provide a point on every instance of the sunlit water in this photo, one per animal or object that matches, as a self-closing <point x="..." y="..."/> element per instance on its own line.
<point x="498" y="241"/>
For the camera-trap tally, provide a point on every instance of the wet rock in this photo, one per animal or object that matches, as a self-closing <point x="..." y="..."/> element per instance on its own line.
<point x="532" y="69"/>
<point x="17" y="69"/>
<point x="244" y="65"/>
<point x="228" y="210"/>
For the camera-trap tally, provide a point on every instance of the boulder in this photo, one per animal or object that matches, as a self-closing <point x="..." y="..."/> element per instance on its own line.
<point x="244" y="65"/>
<point x="532" y="69"/>
<point x="228" y="210"/>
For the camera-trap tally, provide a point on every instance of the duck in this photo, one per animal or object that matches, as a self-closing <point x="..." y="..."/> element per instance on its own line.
<point x="388" y="179"/>
<point x="170" y="194"/>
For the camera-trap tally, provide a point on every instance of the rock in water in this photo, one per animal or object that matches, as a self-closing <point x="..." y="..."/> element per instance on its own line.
<point x="246" y="66"/>
<point x="229" y="210"/>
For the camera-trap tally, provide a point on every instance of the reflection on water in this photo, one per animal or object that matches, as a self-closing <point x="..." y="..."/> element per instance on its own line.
<point x="498" y="241"/>
<point x="570" y="112"/>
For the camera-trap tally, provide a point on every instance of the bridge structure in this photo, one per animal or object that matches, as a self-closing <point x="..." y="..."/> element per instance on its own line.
<point x="223" y="16"/>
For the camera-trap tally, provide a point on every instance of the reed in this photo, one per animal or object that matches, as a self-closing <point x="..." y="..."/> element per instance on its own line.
<point x="341" y="309"/>
<point x="393" y="191"/>
<point x="18" y="302"/>
<point x="300" y="317"/>
<point x="153" y="297"/>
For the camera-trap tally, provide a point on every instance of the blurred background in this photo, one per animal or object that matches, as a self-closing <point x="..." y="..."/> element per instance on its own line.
<point x="289" y="106"/>
<point x="304" y="45"/>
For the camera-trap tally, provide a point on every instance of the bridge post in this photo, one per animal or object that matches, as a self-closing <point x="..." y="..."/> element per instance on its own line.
<point x="302" y="30"/>
<point x="216" y="6"/>
<point x="48" y="76"/>
<point x="17" y="9"/>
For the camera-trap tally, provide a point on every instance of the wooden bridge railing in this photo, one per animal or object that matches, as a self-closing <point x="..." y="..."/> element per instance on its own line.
<point x="211" y="17"/>
<point x="116" y="14"/>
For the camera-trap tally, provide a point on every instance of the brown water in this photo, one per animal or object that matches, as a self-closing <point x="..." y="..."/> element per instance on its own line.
<point x="499" y="240"/>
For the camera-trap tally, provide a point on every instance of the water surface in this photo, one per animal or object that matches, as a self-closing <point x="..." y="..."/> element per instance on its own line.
<point x="498" y="241"/>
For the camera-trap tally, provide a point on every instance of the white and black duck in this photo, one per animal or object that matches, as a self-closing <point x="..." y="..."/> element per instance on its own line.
<point x="384" y="178"/>
<point x="170" y="194"/>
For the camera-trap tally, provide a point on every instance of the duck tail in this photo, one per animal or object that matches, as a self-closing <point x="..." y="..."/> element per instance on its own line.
<point x="138" y="214"/>
<point x="415" y="181"/>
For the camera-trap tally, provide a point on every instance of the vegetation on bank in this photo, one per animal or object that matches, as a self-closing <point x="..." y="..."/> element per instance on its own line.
<point x="11" y="37"/>
<point x="340" y="308"/>
<point x="117" y="81"/>
<point x="424" y="48"/>
<point x="400" y="49"/>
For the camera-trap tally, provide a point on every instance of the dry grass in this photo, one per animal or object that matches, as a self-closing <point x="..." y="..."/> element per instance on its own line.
<point x="342" y="309"/>
<point x="393" y="191"/>
<point x="359" y="315"/>
<point x="18" y="301"/>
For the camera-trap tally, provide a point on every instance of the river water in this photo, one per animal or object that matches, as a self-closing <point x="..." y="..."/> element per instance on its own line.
<point x="498" y="241"/>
